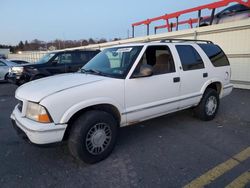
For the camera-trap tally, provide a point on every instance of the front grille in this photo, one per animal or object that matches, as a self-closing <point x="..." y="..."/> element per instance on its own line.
<point x="20" y="106"/>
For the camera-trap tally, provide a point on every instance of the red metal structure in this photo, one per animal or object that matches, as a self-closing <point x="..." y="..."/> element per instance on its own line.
<point x="176" y="15"/>
<point x="170" y="27"/>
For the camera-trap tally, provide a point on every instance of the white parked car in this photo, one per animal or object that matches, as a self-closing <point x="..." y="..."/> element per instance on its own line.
<point x="5" y="66"/>
<point x="121" y="86"/>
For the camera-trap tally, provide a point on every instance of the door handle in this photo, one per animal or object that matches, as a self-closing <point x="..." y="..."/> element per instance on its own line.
<point x="205" y="75"/>
<point x="176" y="79"/>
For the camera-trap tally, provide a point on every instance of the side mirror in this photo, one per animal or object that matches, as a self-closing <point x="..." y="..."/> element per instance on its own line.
<point x="145" y="71"/>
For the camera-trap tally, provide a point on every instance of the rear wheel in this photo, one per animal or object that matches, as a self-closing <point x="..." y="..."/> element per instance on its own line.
<point x="208" y="106"/>
<point x="93" y="136"/>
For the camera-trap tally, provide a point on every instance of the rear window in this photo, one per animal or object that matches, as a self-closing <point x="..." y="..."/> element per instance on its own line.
<point x="85" y="56"/>
<point x="215" y="54"/>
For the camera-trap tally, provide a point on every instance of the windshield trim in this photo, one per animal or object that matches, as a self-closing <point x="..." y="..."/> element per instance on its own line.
<point x="137" y="60"/>
<point x="98" y="74"/>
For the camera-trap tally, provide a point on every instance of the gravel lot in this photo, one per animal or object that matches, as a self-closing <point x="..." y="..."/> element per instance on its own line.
<point x="169" y="151"/>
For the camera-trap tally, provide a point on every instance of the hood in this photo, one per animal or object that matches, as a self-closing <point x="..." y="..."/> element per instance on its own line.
<point x="39" y="89"/>
<point x="29" y="65"/>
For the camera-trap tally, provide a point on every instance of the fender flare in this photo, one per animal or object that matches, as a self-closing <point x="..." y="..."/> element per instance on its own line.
<point x="207" y="83"/>
<point x="85" y="104"/>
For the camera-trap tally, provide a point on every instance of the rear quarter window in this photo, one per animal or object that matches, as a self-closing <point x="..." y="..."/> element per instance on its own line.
<point x="215" y="54"/>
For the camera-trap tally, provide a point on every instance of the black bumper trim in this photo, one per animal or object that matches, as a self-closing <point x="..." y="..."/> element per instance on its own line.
<point x="19" y="131"/>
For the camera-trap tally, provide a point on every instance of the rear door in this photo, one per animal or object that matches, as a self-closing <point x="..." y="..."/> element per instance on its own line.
<point x="152" y="96"/>
<point x="193" y="74"/>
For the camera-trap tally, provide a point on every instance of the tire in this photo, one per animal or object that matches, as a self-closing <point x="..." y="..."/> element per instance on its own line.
<point x="93" y="136"/>
<point x="208" y="106"/>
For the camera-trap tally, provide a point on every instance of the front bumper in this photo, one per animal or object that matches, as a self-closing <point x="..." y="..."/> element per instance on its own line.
<point x="37" y="133"/>
<point x="17" y="79"/>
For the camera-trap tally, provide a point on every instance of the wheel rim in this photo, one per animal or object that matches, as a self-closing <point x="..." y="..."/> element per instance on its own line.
<point x="98" y="138"/>
<point x="211" y="105"/>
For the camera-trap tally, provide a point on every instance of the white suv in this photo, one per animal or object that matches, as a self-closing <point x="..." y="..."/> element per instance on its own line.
<point x="121" y="86"/>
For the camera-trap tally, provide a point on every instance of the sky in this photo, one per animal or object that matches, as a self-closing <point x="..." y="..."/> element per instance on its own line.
<point x="80" y="19"/>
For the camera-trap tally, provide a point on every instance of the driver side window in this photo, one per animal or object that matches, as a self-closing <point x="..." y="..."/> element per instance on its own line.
<point x="159" y="58"/>
<point x="64" y="58"/>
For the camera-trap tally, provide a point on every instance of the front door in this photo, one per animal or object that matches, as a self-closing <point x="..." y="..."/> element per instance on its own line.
<point x="60" y="63"/>
<point x="152" y="96"/>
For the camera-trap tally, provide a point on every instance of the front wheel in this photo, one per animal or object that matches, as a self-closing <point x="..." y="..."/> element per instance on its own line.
<point x="93" y="136"/>
<point x="208" y="106"/>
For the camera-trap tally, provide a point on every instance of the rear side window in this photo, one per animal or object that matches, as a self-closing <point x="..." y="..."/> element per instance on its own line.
<point x="85" y="56"/>
<point x="190" y="58"/>
<point x="215" y="54"/>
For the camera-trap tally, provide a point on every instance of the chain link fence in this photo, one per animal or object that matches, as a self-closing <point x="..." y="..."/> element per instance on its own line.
<point x="30" y="56"/>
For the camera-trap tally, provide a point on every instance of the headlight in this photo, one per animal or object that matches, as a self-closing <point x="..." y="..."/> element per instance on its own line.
<point x="37" y="112"/>
<point x="17" y="69"/>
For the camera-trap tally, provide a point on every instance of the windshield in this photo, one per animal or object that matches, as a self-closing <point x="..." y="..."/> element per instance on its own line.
<point x="113" y="62"/>
<point x="46" y="58"/>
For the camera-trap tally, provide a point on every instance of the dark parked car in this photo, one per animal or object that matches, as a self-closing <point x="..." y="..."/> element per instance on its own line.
<point x="232" y="13"/>
<point x="51" y="64"/>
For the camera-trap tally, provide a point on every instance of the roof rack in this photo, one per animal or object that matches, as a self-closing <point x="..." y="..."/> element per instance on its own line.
<point x="186" y="40"/>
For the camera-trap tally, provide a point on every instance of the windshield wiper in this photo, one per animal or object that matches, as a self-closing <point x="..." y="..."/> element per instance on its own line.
<point x="92" y="71"/>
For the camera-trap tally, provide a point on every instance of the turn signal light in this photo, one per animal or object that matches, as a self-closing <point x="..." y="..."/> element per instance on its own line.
<point x="43" y="118"/>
